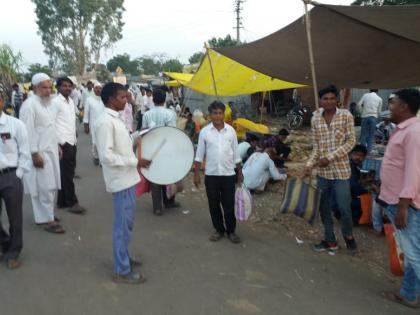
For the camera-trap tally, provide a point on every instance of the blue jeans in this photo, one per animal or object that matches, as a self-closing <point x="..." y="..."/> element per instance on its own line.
<point x="124" y="203"/>
<point x="410" y="243"/>
<point x="341" y="190"/>
<point x="367" y="134"/>
<point x="377" y="221"/>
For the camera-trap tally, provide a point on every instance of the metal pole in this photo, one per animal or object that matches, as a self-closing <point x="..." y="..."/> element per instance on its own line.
<point x="211" y="69"/>
<point x="311" y="53"/>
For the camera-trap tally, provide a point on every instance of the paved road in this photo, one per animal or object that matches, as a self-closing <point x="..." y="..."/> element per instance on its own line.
<point x="268" y="274"/>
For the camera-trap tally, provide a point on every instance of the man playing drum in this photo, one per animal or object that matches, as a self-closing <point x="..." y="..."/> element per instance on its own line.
<point x="160" y="116"/>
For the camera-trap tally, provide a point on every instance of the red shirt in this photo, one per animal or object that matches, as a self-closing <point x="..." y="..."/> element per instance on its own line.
<point x="400" y="171"/>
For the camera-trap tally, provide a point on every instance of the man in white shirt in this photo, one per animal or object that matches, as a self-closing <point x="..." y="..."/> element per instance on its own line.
<point x="65" y="121"/>
<point x="370" y="105"/>
<point x="141" y="108"/>
<point x="160" y="116"/>
<point x="120" y="169"/>
<point x="94" y="107"/>
<point x="43" y="179"/>
<point x="87" y="93"/>
<point x="15" y="160"/>
<point x="248" y="147"/>
<point x="259" y="168"/>
<point x="218" y="145"/>
<point x="149" y="104"/>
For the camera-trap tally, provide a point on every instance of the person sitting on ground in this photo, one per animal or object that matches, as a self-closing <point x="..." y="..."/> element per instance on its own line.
<point x="248" y="147"/>
<point x="260" y="168"/>
<point x="357" y="156"/>
<point x="283" y="150"/>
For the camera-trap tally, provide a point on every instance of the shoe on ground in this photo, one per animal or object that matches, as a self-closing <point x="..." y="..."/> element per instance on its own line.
<point x="135" y="263"/>
<point x="158" y="212"/>
<point x="324" y="246"/>
<point x="131" y="278"/>
<point x="173" y="205"/>
<point x="351" y="246"/>
<point x="96" y="162"/>
<point x="77" y="209"/>
<point x="13" y="263"/>
<point x="234" y="238"/>
<point x="215" y="237"/>
<point x="375" y="232"/>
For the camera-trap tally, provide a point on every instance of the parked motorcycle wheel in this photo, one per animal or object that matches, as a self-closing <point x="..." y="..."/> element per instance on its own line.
<point x="295" y="121"/>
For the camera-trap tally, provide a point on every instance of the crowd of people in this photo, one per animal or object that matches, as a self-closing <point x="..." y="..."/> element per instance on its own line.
<point x="39" y="146"/>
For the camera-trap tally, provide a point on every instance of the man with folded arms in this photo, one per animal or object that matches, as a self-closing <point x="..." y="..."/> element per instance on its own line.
<point x="65" y="121"/>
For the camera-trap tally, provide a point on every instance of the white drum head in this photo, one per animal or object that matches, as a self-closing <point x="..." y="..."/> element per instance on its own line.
<point x="171" y="152"/>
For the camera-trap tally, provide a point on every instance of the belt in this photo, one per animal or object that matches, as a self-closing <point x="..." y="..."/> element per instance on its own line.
<point x="7" y="170"/>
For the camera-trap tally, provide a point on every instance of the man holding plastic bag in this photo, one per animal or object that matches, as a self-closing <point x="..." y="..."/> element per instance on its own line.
<point x="218" y="144"/>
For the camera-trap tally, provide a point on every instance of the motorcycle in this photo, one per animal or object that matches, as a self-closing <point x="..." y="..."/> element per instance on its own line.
<point x="295" y="116"/>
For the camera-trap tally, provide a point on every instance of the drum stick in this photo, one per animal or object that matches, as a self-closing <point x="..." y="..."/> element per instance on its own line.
<point x="158" y="149"/>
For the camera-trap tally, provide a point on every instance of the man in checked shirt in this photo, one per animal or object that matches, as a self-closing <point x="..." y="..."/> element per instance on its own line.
<point x="333" y="138"/>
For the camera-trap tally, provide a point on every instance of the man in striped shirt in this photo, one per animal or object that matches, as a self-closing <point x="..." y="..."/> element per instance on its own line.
<point x="333" y="138"/>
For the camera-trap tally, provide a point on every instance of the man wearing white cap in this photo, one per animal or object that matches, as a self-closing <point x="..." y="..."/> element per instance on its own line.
<point x="93" y="109"/>
<point x="43" y="179"/>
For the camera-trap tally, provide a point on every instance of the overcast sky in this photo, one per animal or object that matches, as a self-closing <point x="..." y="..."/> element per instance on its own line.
<point x="177" y="28"/>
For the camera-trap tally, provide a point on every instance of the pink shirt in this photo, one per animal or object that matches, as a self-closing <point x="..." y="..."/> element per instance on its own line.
<point x="126" y="115"/>
<point x="400" y="171"/>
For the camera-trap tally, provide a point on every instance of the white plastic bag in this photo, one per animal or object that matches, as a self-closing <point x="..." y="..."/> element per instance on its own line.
<point x="243" y="203"/>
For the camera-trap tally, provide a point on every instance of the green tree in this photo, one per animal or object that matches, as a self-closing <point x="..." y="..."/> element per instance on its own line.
<point x="227" y="41"/>
<point x="196" y="57"/>
<point x="10" y="63"/>
<point x="172" y="65"/>
<point x="385" y="2"/>
<point x="35" y="68"/>
<point x="214" y="42"/>
<point x="124" y="62"/>
<point x="150" y="65"/>
<point x="74" y="32"/>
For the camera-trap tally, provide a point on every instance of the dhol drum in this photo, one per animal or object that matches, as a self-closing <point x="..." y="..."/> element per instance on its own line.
<point x="171" y="152"/>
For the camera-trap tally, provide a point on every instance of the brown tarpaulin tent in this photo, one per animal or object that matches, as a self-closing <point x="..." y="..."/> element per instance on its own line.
<point x="360" y="47"/>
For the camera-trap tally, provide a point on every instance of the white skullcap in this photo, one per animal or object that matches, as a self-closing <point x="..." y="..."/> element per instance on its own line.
<point x="97" y="84"/>
<point x="40" y="77"/>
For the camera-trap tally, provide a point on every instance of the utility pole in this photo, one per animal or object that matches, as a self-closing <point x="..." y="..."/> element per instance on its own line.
<point x="238" y="10"/>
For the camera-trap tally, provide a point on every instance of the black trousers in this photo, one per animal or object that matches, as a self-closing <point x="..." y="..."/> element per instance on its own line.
<point x="139" y="118"/>
<point x="159" y="195"/>
<point x="11" y="192"/>
<point x="283" y="150"/>
<point x="221" y="193"/>
<point x="67" y="194"/>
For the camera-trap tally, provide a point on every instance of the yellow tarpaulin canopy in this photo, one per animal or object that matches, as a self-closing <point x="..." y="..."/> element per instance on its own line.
<point x="181" y="78"/>
<point x="231" y="78"/>
<point x="172" y="83"/>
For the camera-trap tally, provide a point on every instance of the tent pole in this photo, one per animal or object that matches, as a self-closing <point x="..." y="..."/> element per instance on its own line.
<point x="262" y="106"/>
<point x="211" y="68"/>
<point x="311" y="52"/>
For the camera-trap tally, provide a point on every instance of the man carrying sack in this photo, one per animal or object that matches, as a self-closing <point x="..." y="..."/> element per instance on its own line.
<point x="333" y="138"/>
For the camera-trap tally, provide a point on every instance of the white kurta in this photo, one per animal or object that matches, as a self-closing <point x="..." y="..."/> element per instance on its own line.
<point x="39" y="119"/>
<point x="42" y="183"/>
<point x="93" y="109"/>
